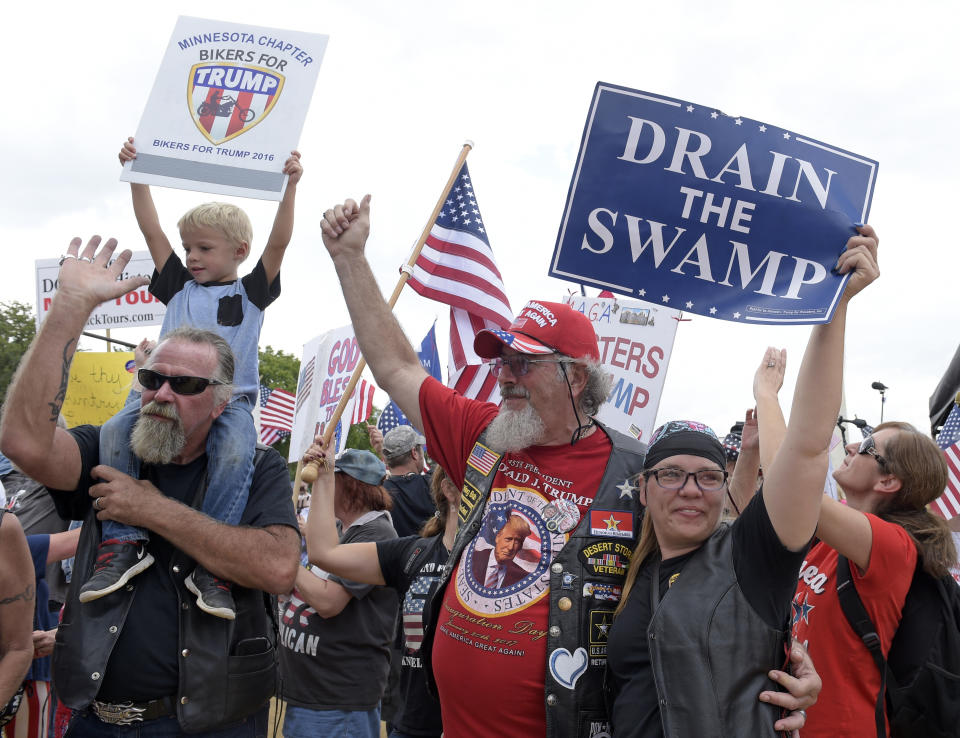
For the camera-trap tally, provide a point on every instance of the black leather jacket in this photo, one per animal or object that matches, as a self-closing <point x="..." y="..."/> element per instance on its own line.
<point x="572" y="637"/>
<point x="227" y="669"/>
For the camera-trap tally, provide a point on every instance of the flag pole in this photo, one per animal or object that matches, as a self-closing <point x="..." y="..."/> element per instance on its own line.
<point x="309" y="471"/>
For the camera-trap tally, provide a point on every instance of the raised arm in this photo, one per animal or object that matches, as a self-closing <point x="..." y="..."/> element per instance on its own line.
<point x="355" y="561"/>
<point x="146" y="213"/>
<point x="793" y="485"/>
<point x="743" y="481"/>
<point x="771" y="425"/>
<point x="17" y="603"/>
<point x="28" y="432"/>
<point x="282" y="230"/>
<point x="383" y="344"/>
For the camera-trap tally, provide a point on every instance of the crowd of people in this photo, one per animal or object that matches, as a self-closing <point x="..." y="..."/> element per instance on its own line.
<point x="550" y="576"/>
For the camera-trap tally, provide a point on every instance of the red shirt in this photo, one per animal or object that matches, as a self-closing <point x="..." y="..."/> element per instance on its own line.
<point x="851" y="680"/>
<point x="489" y="653"/>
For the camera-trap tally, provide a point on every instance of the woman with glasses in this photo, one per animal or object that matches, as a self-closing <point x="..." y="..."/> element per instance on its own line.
<point x="705" y="611"/>
<point x="883" y="532"/>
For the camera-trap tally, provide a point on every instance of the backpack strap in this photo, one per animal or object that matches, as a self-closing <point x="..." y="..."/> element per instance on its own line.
<point x="863" y="626"/>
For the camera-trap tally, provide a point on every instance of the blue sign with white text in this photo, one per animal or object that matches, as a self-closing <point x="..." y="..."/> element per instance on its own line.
<point x="684" y="206"/>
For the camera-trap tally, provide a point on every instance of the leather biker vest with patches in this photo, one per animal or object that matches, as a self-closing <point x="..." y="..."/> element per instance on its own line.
<point x="227" y="669"/>
<point x="586" y="578"/>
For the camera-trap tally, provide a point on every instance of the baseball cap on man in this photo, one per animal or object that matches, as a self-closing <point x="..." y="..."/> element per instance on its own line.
<point x="361" y="465"/>
<point x="542" y="328"/>
<point x="400" y="440"/>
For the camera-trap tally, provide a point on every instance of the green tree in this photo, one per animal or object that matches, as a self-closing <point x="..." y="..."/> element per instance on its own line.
<point x="17" y="329"/>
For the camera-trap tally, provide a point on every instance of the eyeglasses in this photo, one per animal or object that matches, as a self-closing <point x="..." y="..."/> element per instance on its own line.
<point x="183" y="385"/>
<point x="519" y="365"/>
<point x="869" y="446"/>
<point x="707" y="480"/>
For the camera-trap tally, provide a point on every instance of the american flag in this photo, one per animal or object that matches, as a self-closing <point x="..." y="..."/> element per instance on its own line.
<point x="456" y="267"/>
<point x="482" y="459"/>
<point x="305" y="382"/>
<point x="948" y="504"/>
<point x="362" y="401"/>
<point x="413" y="603"/>
<point x="276" y="414"/>
<point x="391" y="417"/>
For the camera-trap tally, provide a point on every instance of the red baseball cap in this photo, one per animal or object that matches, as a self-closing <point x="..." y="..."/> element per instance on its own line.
<point x="542" y="328"/>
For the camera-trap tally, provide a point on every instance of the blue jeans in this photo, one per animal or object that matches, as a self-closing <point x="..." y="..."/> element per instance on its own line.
<point x="88" y="725"/>
<point x="302" y="722"/>
<point x="231" y="444"/>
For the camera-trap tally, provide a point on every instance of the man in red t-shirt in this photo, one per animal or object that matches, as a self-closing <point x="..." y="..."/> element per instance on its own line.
<point x="489" y="655"/>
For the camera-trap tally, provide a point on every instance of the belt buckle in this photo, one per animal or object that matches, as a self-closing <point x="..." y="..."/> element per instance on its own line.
<point x="123" y="713"/>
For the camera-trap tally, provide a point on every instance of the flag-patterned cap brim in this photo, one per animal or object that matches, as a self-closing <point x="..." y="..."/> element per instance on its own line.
<point x="489" y="343"/>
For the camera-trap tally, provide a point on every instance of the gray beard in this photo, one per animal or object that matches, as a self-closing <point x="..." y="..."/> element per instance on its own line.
<point x="513" y="430"/>
<point x="156" y="441"/>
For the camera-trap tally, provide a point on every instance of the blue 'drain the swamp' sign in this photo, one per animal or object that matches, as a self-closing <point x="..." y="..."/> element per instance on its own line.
<point x="684" y="206"/>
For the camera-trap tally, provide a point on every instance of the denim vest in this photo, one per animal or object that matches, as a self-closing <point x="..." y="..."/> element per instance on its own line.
<point x="227" y="669"/>
<point x="576" y="662"/>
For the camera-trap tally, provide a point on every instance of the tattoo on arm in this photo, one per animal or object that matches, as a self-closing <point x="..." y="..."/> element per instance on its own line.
<point x="57" y="403"/>
<point x="27" y="596"/>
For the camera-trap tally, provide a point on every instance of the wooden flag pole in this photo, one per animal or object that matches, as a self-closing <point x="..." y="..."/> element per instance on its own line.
<point x="309" y="471"/>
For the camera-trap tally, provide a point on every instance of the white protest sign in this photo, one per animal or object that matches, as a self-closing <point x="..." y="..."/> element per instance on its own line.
<point x="328" y="361"/>
<point x="227" y="108"/>
<point x="136" y="308"/>
<point x="636" y="340"/>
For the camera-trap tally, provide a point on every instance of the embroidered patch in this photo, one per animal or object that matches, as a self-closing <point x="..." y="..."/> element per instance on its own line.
<point x="469" y="498"/>
<point x="611" y="523"/>
<point x="602" y="592"/>
<point x="566" y="668"/>
<point x="482" y="459"/>
<point x="606" y="558"/>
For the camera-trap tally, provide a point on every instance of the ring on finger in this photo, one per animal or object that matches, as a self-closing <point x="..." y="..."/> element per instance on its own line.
<point x="86" y="259"/>
<point x="804" y="713"/>
<point x="98" y="504"/>
<point x="65" y="257"/>
<point x="771" y="363"/>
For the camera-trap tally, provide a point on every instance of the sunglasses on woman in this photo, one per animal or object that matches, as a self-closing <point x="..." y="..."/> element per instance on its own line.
<point x="869" y="446"/>
<point x="182" y="385"/>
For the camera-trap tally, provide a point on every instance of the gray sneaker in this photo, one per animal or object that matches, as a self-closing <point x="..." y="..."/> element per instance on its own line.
<point x="213" y="594"/>
<point x="117" y="561"/>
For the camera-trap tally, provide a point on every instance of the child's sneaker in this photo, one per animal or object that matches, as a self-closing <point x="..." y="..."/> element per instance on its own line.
<point x="213" y="594"/>
<point x="117" y="561"/>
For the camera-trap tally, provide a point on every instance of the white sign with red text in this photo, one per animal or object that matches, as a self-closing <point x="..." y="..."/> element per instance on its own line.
<point x="636" y="339"/>
<point x="325" y="370"/>
<point x="134" y="309"/>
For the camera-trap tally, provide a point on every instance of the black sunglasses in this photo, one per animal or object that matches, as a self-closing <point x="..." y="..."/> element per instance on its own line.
<point x="183" y="385"/>
<point x="869" y="446"/>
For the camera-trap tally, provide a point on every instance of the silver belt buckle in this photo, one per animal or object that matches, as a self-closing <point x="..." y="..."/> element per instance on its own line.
<point x="123" y="713"/>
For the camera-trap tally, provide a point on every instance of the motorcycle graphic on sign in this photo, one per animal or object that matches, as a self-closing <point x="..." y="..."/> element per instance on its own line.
<point x="227" y="100"/>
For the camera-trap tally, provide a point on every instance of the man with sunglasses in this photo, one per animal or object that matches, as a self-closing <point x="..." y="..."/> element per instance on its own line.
<point x="148" y="656"/>
<point x="533" y="643"/>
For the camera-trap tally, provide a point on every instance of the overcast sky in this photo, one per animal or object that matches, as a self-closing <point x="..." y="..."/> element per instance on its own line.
<point x="401" y="87"/>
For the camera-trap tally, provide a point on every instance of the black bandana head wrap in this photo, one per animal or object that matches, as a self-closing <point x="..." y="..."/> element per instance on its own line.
<point x="684" y="437"/>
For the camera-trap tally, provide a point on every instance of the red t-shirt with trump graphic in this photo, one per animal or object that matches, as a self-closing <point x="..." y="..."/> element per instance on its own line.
<point x="489" y="652"/>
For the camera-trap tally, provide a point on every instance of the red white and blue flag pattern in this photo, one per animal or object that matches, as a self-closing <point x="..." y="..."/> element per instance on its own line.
<point x="276" y="414"/>
<point x="456" y="267"/>
<point x="948" y="504"/>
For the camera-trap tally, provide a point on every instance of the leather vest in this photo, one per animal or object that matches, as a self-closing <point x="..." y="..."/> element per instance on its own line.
<point x="576" y="647"/>
<point x="227" y="669"/>
<point x="710" y="652"/>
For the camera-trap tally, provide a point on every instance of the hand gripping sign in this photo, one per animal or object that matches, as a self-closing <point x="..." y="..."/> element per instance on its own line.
<point x="227" y="108"/>
<point x="689" y="208"/>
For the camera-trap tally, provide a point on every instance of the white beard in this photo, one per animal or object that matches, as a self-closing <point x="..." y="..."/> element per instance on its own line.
<point x="156" y="441"/>
<point x="513" y="430"/>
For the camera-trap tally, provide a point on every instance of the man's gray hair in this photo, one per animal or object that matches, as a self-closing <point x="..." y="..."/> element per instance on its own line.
<point x="225" y="361"/>
<point x="598" y="386"/>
